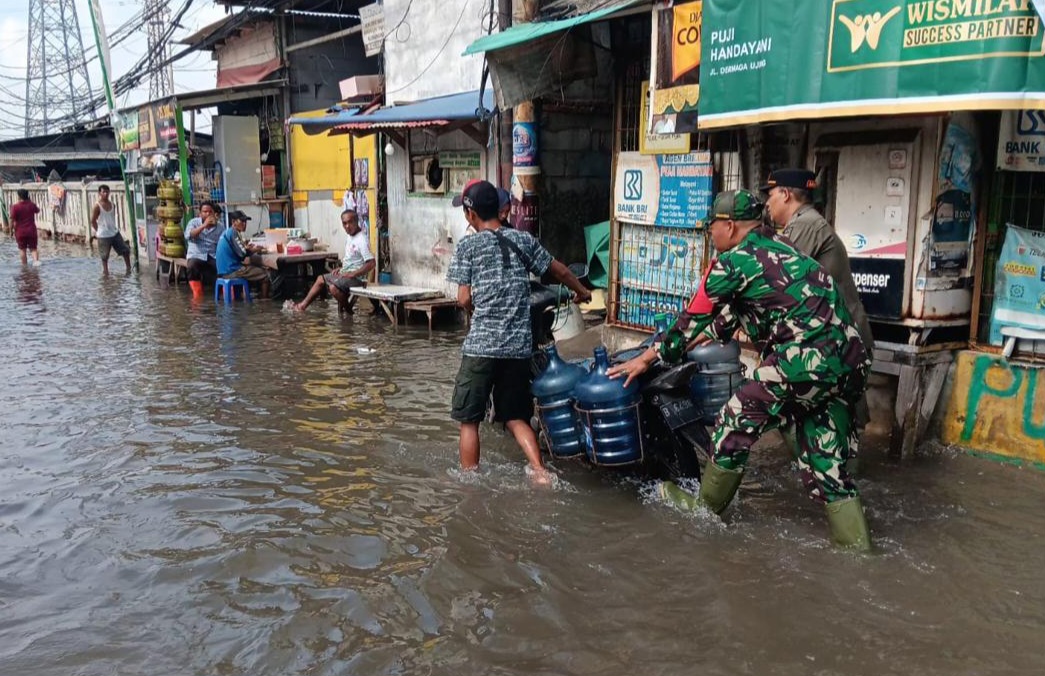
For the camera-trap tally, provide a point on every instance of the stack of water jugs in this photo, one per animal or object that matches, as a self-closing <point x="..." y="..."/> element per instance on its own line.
<point x="586" y="413"/>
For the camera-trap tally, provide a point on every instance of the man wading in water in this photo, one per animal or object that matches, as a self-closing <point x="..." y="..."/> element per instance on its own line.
<point x="103" y="222"/>
<point x="492" y="268"/>
<point x="813" y="363"/>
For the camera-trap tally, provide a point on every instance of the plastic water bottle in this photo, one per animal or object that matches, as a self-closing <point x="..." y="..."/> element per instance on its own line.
<point x="719" y="375"/>
<point x="610" y="414"/>
<point x="553" y="390"/>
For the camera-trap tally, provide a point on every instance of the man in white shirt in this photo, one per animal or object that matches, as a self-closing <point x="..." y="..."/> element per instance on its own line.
<point x="103" y="222"/>
<point x="356" y="265"/>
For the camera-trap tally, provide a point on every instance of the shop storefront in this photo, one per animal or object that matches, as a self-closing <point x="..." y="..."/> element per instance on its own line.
<point x="897" y="110"/>
<point x="900" y="107"/>
<point x="241" y="165"/>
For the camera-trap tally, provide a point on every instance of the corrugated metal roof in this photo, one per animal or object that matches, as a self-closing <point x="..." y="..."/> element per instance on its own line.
<point x="438" y="111"/>
<point x="392" y="125"/>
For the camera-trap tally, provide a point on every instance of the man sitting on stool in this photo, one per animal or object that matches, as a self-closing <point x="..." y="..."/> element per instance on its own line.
<point x="356" y="265"/>
<point x="234" y="259"/>
<point x="201" y="237"/>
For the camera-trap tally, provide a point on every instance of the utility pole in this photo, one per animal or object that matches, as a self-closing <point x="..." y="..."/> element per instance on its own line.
<point x="161" y="78"/>
<point x="57" y="87"/>
<point x="526" y="169"/>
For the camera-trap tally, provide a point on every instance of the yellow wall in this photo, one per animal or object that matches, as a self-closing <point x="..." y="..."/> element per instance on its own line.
<point x="323" y="163"/>
<point x="997" y="406"/>
<point x="319" y="162"/>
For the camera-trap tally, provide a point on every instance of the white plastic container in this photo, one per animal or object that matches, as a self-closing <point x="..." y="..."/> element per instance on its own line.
<point x="569" y="322"/>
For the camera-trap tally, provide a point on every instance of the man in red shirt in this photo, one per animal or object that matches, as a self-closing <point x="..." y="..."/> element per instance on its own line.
<point x="23" y="217"/>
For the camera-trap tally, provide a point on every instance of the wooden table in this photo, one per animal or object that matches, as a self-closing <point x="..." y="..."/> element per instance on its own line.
<point x="297" y="269"/>
<point x="282" y="261"/>
<point x="390" y="296"/>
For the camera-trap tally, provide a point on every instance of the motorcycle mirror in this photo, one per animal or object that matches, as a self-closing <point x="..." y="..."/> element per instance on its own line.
<point x="579" y="270"/>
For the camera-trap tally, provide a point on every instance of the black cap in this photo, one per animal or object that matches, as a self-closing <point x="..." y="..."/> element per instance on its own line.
<point x="504" y="197"/>
<point x="801" y="179"/>
<point x="481" y="197"/>
<point x="238" y="216"/>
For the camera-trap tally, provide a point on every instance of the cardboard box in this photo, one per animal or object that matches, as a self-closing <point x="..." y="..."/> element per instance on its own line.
<point x="361" y="86"/>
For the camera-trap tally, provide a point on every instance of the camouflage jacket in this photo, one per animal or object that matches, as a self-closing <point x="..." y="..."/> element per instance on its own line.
<point x="783" y="300"/>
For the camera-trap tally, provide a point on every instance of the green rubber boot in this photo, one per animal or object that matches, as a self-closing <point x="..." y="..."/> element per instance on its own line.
<point x="671" y="493"/>
<point x="848" y="525"/>
<point x="718" y="485"/>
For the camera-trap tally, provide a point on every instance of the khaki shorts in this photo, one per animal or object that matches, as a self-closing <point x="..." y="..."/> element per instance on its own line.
<point x="115" y="243"/>
<point x="251" y="273"/>
<point x="508" y="379"/>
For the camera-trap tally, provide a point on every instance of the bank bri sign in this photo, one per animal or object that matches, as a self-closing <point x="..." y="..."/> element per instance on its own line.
<point x="859" y="57"/>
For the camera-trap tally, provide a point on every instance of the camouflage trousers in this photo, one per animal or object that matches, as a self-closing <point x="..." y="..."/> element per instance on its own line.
<point x="822" y="412"/>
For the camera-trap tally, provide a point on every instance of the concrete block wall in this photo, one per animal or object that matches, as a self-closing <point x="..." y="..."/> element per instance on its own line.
<point x="576" y="187"/>
<point x="315" y="72"/>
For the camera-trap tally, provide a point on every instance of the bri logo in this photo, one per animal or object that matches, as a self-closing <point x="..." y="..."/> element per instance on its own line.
<point x="632" y="184"/>
<point x="1031" y="123"/>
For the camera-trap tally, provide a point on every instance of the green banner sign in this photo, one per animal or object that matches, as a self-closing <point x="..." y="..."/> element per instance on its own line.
<point x="858" y="57"/>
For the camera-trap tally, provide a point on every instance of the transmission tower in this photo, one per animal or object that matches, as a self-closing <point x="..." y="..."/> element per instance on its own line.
<point x="161" y="78"/>
<point x="57" y="87"/>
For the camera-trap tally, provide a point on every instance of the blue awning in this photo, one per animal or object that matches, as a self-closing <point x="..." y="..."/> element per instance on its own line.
<point x="440" y="111"/>
<point x="317" y="124"/>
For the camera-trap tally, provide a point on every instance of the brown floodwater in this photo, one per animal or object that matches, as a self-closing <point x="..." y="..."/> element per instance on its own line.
<point x="200" y="489"/>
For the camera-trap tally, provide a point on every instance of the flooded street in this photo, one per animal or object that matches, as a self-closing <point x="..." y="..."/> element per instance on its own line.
<point x="241" y="491"/>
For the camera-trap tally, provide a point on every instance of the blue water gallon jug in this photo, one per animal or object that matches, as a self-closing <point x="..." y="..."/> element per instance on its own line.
<point x="553" y="390"/>
<point x="610" y="415"/>
<point x="719" y="374"/>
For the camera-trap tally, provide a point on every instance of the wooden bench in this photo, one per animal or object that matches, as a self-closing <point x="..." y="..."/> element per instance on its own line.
<point x="175" y="266"/>
<point x="429" y="307"/>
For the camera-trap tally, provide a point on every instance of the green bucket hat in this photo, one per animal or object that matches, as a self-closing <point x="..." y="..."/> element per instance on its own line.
<point x="737" y="205"/>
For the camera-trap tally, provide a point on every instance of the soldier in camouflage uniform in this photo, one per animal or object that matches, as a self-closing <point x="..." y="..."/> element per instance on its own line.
<point x="813" y="363"/>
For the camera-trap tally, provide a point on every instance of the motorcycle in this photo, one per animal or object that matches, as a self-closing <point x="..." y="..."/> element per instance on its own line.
<point x="678" y="401"/>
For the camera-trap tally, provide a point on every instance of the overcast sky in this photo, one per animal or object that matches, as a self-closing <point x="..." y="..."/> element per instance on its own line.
<point x="191" y="73"/>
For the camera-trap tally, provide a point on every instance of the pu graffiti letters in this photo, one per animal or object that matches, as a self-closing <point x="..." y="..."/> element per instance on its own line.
<point x="980" y="388"/>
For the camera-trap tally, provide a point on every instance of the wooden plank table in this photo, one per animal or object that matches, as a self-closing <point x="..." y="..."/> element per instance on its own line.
<point x="294" y="270"/>
<point x="283" y="261"/>
<point x="390" y="296"/>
